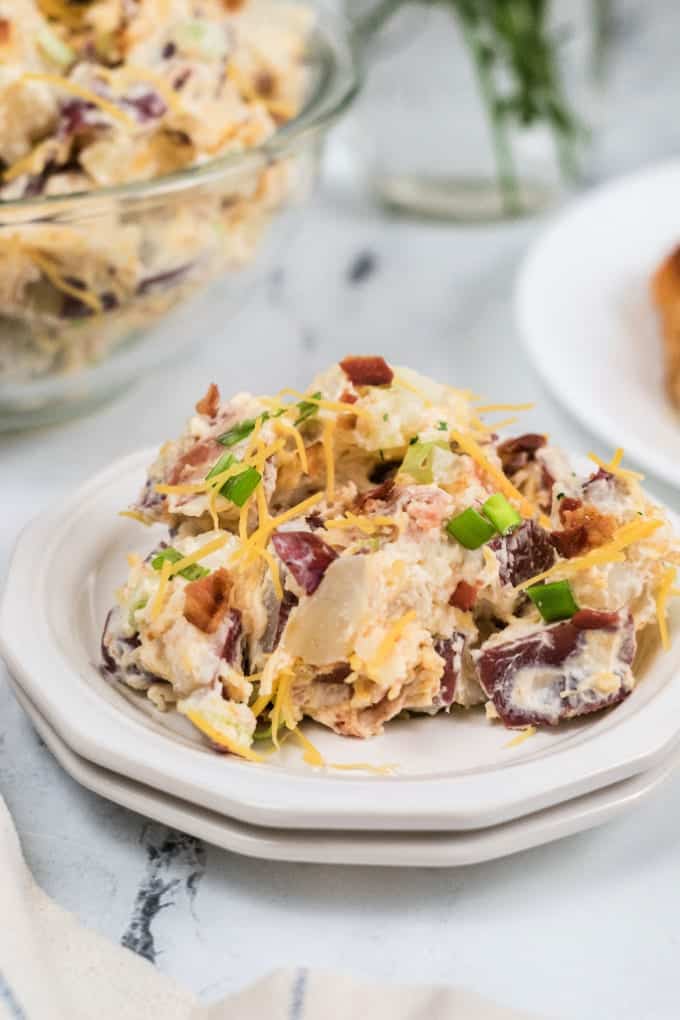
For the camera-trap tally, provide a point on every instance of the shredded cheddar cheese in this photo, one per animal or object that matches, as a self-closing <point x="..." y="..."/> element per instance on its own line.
<point x="614" y="468"/>
<point x="135" y="515"/>
<point x="159" y="598"/>
<point x="405" y="385"/>
<point x="312" y="755"/>
<point x="196" y="557"/>
<point x="327" y="440"/>
<point x="504" y="407"/>
<point x="521" y="737"/>
<point x="390" y="640"/>
<point x="299" y="442"/>
<point x="129" y="73"/>
<point x="327" y="405"/>
<point x="219" y="738"/>
<point x="611" y="552"/>
<point x="282" y="710"/>
<point x="663" y="593"/>
<point x="368" y="525"/>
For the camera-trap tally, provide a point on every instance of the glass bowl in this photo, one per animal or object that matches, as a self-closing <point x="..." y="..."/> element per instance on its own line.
<point x="180" y="251"/>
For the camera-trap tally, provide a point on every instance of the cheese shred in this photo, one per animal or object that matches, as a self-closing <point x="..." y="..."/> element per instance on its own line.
<point x="664" y="592"/>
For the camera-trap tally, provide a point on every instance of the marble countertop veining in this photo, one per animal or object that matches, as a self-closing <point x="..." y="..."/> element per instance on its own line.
<point x="587" y="927"/>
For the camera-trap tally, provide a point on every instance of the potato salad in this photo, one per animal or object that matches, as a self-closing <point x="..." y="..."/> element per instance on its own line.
<point x="371" y="549"/>
<point x="97" y="94"/>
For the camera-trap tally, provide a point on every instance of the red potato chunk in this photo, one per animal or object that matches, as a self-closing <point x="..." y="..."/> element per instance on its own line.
<point x="306" y="555"/>
<point x="544" y="675"/>
<point x="523" y="553"/>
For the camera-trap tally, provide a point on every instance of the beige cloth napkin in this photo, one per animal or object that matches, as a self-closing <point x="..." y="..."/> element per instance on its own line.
<point x="52" y="968"/>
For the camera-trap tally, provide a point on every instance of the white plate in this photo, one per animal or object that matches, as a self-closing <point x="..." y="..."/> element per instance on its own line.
<point x="584" y="313"/>
<point x="416" y="850"/>
<point x="455" y="772"/>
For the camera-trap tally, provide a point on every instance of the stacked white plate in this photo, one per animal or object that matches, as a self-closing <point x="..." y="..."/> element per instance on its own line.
<point x="461" y="790"/>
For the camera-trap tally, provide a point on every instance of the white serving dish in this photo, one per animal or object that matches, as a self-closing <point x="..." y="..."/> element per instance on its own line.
<point x="455" y="773"/>
<point x="389" y="849"/>
<point x="584" y="312"/>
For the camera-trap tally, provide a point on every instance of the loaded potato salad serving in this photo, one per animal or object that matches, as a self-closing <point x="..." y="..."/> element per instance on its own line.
<point x="106" y="94"/>
<point x="371" y="549"/>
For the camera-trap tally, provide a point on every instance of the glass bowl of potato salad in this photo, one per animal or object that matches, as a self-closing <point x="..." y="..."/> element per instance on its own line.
<point x="149" y="150"/>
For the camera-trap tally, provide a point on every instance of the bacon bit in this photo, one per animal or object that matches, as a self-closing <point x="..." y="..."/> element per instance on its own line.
<point x="585" y="527"/>
<point x="199" y="454"/>
<point x="516" y="453"/>
<point x="381" y="494"/>
<point x="206" y="601"/>
<point x="595" y="619"/>
<point x="367" y="371"/>
<point x="234" y="5"/>
<point x="348" y="398"/>
<point x="5" y="31"/>
<point x="210" y="403"/>
<point x="569" y="504"/>
<point x="265" y="84"/>
<point x="464" y="596"/>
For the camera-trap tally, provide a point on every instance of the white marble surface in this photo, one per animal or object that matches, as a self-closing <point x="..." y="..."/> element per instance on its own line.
<point x="585" y="928"/>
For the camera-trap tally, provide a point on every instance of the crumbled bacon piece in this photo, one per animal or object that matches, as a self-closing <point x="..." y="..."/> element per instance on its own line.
<point x="336" y="675"/>
<point x="200" y="454"/>
<point x="464" y="596"/>
<point x="5" y="31"/>
<point x="210" y="403"/>
<point x="367" y="371"/>
<point x="585" y="527"/>
<point x="517" y="452"/>
<point x="348" y="398"/>
<point x="206" y="601"/>
<point x="381" y="494"/>
<point x="265" y="84"/>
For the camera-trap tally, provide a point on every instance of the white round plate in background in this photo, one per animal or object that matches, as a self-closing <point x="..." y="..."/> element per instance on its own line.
<point x="584" y="313"/>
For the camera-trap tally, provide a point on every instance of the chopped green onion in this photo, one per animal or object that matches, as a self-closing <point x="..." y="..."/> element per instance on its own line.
<point x="470" y="529"/>
<point x="136" y="605"/>
<point x="239" y="488"/>
<point x="239" y="432"/>
<point x="443" y="426"/>
<point x="555" y="601"/>
<point x="194" y="572"/>
<point x="418" y="462"/>
<point x="307" y="409"/>
<point x="386" y="416"/>
<point x="223" y="464"/>
<point x="196" y="37"/>
<point x="501" y="513"/>
<point x="413" y="440"/>
<point x="263" y="734"/>
<point x="54" y="47"/>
